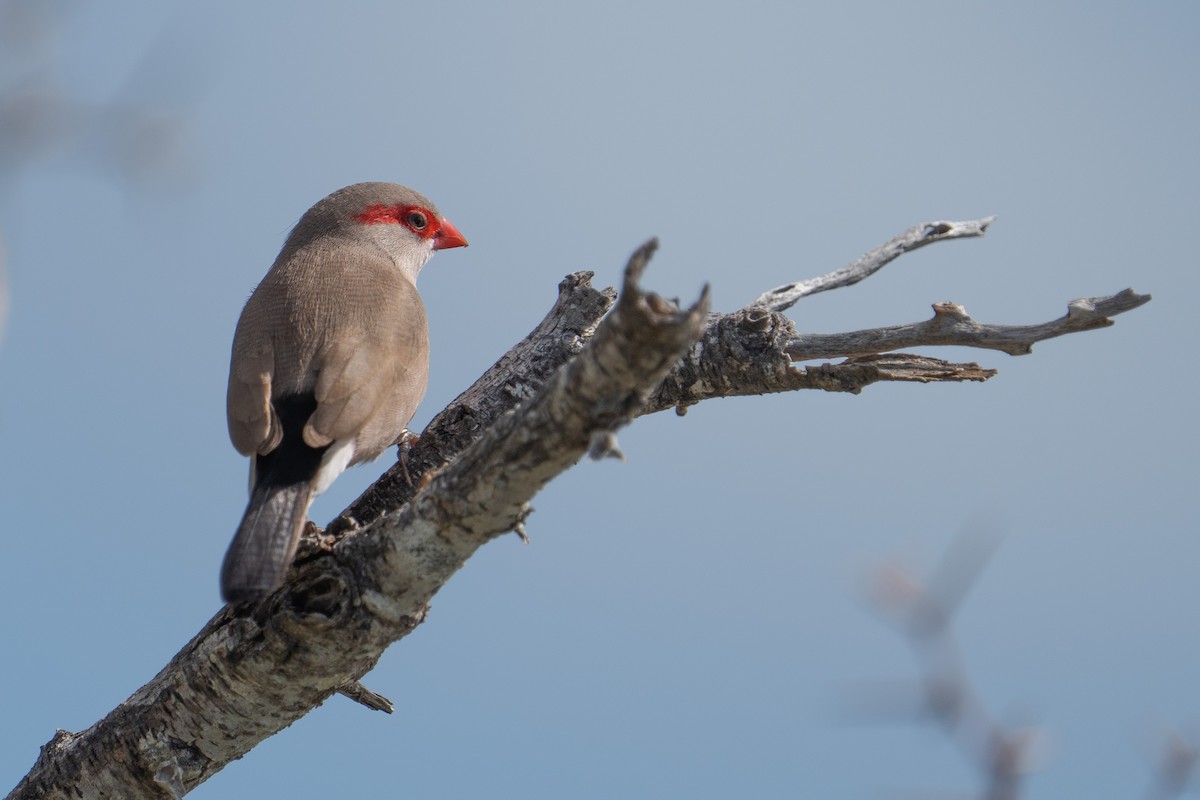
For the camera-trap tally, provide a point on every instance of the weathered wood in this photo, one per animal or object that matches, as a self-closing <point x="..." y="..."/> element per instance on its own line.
<point x="562" y="392"/>
<point x="255" y="668"/>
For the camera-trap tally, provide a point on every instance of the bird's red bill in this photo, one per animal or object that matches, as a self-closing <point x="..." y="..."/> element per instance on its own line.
<point x="448" y="236"/>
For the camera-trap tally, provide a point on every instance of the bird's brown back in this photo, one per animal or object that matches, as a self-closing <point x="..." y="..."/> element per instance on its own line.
<point x="339" y="319"/>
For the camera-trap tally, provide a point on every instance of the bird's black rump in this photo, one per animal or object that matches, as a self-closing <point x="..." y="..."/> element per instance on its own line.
<point x="292" y="461"/>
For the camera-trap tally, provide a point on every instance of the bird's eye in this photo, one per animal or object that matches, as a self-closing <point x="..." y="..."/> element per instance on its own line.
<point x="416" y="220"/>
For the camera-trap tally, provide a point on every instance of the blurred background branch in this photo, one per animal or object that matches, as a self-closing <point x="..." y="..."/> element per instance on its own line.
<point x="1002" y="755"/>
<point x="1175" y="769"/>
<point x="136" y="135"/>
<point x="923" y="611"/>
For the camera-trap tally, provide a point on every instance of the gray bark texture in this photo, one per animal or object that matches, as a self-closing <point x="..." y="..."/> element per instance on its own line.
<point x="596" y="362"/>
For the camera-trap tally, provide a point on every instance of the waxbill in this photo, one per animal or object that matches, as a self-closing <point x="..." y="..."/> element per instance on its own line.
<point x="330" y="359"/>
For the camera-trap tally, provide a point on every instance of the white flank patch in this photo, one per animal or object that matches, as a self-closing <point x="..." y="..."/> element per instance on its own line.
<point x="334" y="463"/>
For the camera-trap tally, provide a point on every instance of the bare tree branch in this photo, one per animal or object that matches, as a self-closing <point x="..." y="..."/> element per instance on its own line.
<point x="366" y="581"/>
<point x="256" y="668"/>
<point x="952" y="326"/>
<point x="752" y="351"/>
<point x="745" y="353"/>
<point x="516" y="377"/>
<point x="784" y="297"/>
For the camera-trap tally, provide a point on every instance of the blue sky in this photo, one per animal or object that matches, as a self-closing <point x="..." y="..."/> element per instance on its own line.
<point x="691" y="622"/>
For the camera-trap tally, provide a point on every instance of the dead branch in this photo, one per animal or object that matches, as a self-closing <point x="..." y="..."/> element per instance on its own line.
<point x="256" y="668"/>
<point x="366" y="582"/>
<point x="516" y="377"/>
<point x="952" y="326"/>
<point x="784" y="297"/>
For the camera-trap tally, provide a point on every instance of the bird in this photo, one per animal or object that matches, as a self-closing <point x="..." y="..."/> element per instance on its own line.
<point x="330" y="359"/>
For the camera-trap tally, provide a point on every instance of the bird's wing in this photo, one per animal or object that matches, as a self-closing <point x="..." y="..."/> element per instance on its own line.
<point x="352" y="381"/>
<point x="372" y="375"/>
<point x="253" y="427"/>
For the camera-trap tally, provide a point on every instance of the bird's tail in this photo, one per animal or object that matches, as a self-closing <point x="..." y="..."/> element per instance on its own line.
<point x="265" y="542"/>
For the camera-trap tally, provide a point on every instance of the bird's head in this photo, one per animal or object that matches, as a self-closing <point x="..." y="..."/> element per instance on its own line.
<point x="406" y="224"/>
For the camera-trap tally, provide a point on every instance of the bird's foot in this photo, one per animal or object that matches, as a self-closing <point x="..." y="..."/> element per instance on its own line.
<point x="404" y="443"/>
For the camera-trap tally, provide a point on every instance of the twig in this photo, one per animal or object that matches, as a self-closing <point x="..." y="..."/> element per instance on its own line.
<point x="951" y="325"/>
<point x="361" y="694"/>
<point x="784" y="297"/>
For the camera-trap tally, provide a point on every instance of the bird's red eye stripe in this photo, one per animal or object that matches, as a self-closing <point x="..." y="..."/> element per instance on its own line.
<point x="373" y="215"/>
<point x="418" y="219"/>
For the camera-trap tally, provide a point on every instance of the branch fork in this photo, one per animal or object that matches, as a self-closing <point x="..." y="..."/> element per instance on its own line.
<point x="595" y="363"/>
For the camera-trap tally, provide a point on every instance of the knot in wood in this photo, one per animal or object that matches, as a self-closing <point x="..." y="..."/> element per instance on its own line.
<point x="755" y="319"/>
